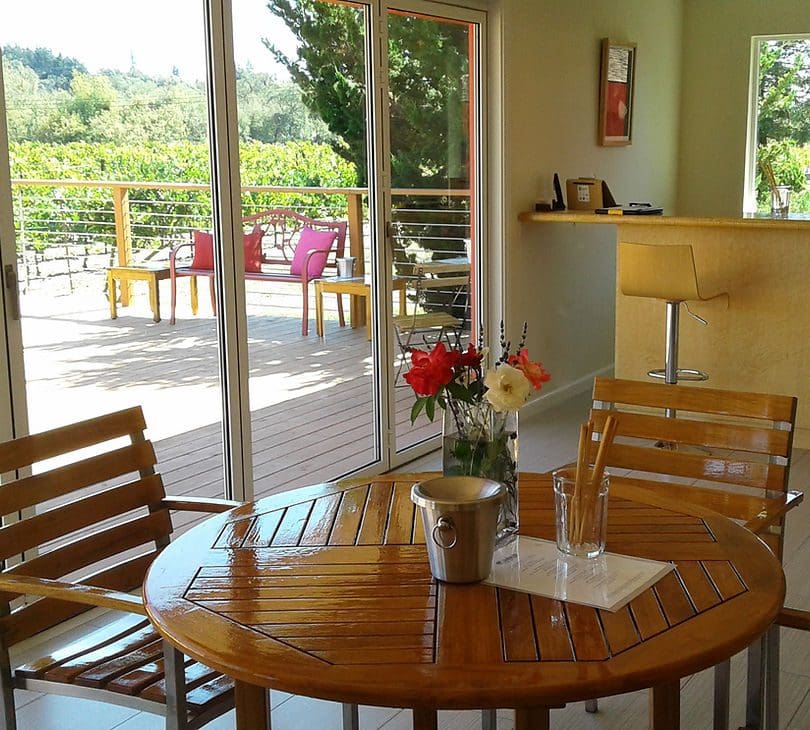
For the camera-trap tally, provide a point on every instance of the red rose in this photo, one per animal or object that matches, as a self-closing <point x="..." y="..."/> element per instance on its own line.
<point x="470" y="359"/>
<point x="429" y="373"/>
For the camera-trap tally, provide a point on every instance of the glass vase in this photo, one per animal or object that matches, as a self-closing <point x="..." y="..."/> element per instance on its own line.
<point x="479" y="441"/>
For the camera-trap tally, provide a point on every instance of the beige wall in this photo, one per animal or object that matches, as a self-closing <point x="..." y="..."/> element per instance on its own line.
<point x="560" y="278"/>
<point x="716" y="62"/>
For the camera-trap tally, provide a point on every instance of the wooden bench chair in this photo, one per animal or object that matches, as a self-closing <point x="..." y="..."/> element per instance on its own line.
<point x="84" y="514"/>
<point x="282" y="246"/>
<point x="724" y="450"/>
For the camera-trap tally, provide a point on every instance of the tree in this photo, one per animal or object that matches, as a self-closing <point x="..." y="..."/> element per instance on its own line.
<point x="272" y="111"/>
<point x="784" y="91"/>
<point x="428" y="71"/>
<point x="55" y="70"/>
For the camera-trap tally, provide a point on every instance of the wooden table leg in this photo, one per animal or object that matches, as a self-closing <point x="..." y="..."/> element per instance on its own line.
<point x="252" y="707"/>
<point x="319" y="309"/>
<point x="111" y="295"/>
<point x="425" y="719"/>
<point x="194" y="296"/>
<point x="532" y="718"/>
<point x="368" y="313"/>
<point x="665" y="706"/>
<point x="154" y="298"/>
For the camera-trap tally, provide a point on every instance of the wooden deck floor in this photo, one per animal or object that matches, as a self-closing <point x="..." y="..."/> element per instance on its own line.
<point x="311" y="398"/>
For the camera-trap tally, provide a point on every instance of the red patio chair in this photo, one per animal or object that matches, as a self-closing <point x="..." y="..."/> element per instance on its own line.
<point x="282" y="246"/>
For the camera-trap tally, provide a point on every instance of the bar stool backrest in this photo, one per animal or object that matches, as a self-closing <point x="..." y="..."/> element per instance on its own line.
<point x="658" y="272"/>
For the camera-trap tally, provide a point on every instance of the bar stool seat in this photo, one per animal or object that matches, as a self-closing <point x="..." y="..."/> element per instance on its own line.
<point x="665" y="272"/>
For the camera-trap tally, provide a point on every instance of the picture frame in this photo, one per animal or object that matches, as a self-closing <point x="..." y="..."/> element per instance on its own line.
<point x="616" y="85"/>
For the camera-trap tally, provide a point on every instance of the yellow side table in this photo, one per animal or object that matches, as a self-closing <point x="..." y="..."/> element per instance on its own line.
<point x="150" y="274"/>
<point x="358" y="286"/>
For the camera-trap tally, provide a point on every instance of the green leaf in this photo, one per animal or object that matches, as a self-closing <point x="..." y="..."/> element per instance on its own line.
<point x="430" y="407"/>
<point x="459" y="392"/>
<point x="416" y="409"/>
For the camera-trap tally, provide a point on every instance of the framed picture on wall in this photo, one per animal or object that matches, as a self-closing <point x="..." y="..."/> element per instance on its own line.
<point x="617" y="79"/>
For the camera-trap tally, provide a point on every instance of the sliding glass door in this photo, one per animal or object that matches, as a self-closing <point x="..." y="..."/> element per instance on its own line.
<point x="110" y="168"/>
<point x="358" y="128"/>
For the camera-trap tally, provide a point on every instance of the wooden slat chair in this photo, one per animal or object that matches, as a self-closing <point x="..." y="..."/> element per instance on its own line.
<point x="80" y="533"/>
<point x="729" y="451"/>
<point x="425" y="329"/>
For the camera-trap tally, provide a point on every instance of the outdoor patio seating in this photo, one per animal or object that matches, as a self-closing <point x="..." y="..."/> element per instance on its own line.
<point x="282" y="246"/>
<point x="79" y="533"/>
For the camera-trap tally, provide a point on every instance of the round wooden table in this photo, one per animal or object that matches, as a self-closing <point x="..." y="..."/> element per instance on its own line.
<point x="326" y="592"/>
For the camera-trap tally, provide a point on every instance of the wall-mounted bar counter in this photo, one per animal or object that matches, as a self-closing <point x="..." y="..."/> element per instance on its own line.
<point x="760" y="342"/>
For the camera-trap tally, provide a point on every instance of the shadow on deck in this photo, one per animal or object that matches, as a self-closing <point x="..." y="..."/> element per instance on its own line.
<point x="312" y="414"/>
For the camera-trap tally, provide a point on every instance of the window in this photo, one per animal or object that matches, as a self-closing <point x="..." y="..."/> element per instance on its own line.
<point x="778" y="154"/>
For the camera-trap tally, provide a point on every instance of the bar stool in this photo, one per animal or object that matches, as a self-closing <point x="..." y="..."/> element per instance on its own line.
<point x="666" y="273"/>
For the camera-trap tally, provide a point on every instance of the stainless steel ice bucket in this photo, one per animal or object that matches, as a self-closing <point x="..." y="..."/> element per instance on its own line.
<point x="345" y="267"/>
<point x="460" y="517"/>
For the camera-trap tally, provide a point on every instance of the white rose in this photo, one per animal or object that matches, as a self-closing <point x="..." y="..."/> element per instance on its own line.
<point x="507" y="388"/>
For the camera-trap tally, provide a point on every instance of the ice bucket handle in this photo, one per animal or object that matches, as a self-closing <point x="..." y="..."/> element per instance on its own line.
<point x="444" y="523"/>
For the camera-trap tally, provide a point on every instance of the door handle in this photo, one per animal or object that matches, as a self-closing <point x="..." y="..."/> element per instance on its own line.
<point x="13" y="287"/>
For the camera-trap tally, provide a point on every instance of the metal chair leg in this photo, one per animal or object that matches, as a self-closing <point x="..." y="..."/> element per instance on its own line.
<point x="175" y="675"/>
<point x="755" y="692"/>
<point x="489" y="720"/>
<point x="592" y="705"/>
<point x="351" y="717"/>
<point x="722" y="687"/>
<point x="8" y="716"/>
<point x="772" y="679"/>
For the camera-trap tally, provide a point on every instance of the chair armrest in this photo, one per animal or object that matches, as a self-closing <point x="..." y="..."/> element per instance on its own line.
<point x="200" y="504"/>
<point x="72" y="592"/>
<point x="794" y="618"/>
<point x="774" y="511"/>
<point x="173" y="253"/>
<point x="305" y="268"/>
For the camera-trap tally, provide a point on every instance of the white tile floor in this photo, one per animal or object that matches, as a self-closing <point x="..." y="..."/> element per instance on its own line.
<point x="546" y="440"/>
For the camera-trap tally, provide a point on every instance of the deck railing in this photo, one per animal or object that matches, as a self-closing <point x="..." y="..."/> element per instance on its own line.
<point x="102" y="223"/>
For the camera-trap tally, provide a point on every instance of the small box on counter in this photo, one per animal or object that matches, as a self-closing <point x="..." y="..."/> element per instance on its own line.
<point x="584" y="193"/>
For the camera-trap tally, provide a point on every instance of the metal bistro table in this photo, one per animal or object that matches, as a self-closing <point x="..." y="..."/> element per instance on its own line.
<point x="326" y="592"/>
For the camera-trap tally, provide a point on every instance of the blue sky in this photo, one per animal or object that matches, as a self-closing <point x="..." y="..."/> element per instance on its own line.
<point x="157" y="34"/>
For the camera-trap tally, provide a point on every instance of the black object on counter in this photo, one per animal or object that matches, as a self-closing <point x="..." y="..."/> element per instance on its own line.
<point x="557" y="203"/>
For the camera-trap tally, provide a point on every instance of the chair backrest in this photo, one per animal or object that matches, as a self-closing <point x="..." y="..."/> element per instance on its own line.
<point x="90" y="512"/>
<point x="280" y="231"/>
<point x="726" y="449"/>
<point x="658" y="272"/>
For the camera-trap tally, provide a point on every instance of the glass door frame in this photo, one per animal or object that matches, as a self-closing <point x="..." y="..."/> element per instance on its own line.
<point x="478" y="186"/>
<point x="13" y="400"/>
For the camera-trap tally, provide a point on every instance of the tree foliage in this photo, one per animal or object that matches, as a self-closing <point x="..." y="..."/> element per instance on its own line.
<point x="161" y="215"/>
<point x="112" y="107"/>
<point x="428" y="75"/>
<point x="55" y="70"/>
<point x="784" y="91"/>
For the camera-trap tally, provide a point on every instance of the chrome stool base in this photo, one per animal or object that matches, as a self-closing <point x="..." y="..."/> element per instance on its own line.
<point x="680" y="374"/>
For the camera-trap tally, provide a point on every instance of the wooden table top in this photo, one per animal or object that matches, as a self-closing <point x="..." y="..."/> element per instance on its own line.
<point x="326" y="591"/>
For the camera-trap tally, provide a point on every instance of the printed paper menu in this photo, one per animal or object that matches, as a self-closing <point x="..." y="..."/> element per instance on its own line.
<point x="609" y="581"/>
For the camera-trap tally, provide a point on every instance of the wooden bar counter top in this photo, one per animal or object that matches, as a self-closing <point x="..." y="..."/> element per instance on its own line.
<point x="326" y="591"/>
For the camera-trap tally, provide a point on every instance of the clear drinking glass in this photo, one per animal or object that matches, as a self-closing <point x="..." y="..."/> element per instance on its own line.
<point x="581" y="514"/>
<point x="780" y="201"/>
